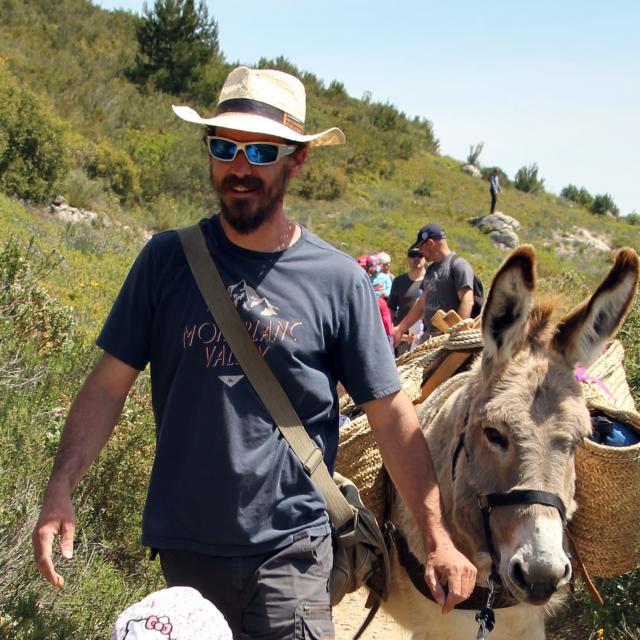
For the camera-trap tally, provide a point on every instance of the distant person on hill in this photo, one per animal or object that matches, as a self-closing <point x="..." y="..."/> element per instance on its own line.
<point x="494" y="188"/>
<point x="230" y="509"/>
<point x="447" y="284"/>
<point x="380" y="281"/>
<point x="405" y="290"/>
<point x="385" y="263"/>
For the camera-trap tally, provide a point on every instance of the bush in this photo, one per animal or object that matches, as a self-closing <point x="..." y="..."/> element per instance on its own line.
<point x="527" y="179"/>
<point x="117" y="168"/>
<point x="581" y="196"/>
<point x="423" y="189"/>
<point x="32" y="151"/>
<point x="603" y="204"/>
<point x="474" y="154"/>
<point x="320" y="181"/>
<point x="36" y="320"/>
<point x="633" y="218"/>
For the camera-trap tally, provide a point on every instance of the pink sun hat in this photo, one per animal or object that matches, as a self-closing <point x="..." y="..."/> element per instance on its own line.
<point x="177" y="613"/>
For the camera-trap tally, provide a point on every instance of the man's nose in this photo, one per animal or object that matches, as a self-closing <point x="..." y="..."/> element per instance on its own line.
<point x="240" y="166"/>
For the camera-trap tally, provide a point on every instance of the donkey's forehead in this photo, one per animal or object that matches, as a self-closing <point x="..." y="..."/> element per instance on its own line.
<point x="535" y="390"/>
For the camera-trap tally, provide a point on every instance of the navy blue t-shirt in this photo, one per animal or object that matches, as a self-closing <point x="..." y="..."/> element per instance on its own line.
<point x="224" y="481"/>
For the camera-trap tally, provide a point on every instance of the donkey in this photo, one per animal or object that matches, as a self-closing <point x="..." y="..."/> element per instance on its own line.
<point x="503" y="449"/>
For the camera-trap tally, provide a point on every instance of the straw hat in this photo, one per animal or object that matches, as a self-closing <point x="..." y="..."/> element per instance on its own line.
<point x="263" y="101"/>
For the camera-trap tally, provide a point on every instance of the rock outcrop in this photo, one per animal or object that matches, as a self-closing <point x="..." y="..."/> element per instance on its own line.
<point x="500" y="228"/>
<point x="471" y="169"/>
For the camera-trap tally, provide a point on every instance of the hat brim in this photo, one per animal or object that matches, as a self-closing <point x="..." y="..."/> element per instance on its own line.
<point x="259" y="124"/>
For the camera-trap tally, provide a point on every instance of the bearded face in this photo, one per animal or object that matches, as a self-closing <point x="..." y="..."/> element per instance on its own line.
<point x="248" y="200"/>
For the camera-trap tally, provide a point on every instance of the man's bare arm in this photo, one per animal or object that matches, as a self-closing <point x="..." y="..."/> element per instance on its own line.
<point x="407" y="458"/>
<point x="415" y="313"/>
<point x="465" y="295"/>
<point x="91" y="420"/>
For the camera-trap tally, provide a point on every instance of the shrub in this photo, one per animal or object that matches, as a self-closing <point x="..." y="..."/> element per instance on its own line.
<point x="581" y="196"/>
<point x="36" y="320"/>
<point x="32" y="151"/>
<point x="320" y="181"/>
<point x="527" y="179"/>
<point x="603" y="204"/>
<point x="474" y="153"/>
<point x="633" y="218"/>
<point x="117" y="168"/>
<point x="423" y="189"/>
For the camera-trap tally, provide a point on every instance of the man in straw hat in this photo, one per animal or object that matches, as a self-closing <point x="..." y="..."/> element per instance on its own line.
<point x="229" y="507"/>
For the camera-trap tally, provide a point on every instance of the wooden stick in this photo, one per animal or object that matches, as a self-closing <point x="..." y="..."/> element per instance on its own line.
<point x="446" y="369"/>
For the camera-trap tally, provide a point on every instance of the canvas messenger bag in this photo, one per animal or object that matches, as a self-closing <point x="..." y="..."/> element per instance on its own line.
<point x="359" y="552"/>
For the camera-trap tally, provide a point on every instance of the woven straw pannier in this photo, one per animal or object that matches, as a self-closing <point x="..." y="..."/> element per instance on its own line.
<point x="606" y="526"/>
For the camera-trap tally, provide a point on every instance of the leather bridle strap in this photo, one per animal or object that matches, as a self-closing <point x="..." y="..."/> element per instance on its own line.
<point x="518" y="496"/>
<point x="522" y="496"/>
<point x="415" y="570"/>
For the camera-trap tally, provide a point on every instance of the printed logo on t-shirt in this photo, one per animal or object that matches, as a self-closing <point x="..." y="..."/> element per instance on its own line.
<point x="261" y="318"/>
<point x="247" y="297"/>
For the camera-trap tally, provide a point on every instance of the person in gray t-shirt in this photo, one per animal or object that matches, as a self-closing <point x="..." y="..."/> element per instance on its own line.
<point x="447" y="285"/>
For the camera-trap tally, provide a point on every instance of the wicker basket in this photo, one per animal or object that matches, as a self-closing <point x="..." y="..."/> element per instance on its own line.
<point x="359" y="460"/>
<point x="606" y="526"/>
<point x="605" y="380"/>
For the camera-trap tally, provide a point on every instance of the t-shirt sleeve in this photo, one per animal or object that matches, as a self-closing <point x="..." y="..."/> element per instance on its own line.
<point x="126" y="333"/>
<point x="365" y="363"/>
<point x="462" y="274"/>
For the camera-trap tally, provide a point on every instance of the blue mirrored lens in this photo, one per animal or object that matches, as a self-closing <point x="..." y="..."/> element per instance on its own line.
<point x="223" y="149"/>
<point x="261" y="153"/>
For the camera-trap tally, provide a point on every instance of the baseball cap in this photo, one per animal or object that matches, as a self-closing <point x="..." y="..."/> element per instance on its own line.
<point x="429" y="232"/>
<point x="385" y="258"/>
<point x="414" y="252"/>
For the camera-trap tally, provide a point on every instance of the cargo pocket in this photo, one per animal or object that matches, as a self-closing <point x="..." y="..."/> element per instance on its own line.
<point x="313" y="622"/>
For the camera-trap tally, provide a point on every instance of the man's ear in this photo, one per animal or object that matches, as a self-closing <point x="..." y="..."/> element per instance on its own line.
<point x="297" y="161"/>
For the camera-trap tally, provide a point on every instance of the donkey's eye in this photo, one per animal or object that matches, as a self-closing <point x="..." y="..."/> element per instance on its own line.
<point x="495" y="437"/>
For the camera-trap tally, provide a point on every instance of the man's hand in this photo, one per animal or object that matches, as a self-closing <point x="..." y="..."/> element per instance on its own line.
<point x="57" y="518"/>
<point x="450" y="576"/>
<point x="397" y="336"/>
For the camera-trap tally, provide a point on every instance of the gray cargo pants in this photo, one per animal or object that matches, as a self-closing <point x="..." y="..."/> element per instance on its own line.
<point x="281" y="595"/>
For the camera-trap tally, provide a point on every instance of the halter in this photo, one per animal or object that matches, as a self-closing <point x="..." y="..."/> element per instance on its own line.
<point x="486" y="502"/>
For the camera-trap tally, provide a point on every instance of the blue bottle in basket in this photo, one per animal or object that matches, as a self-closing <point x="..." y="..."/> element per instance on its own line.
<point x="611" y="433"/>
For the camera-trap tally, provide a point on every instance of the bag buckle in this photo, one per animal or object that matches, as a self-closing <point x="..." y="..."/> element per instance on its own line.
<point x="313" y="461"/>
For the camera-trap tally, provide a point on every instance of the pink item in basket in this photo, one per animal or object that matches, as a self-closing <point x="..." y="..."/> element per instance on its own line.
<point x="177" y="613"/>
<point x="582" y="376"/>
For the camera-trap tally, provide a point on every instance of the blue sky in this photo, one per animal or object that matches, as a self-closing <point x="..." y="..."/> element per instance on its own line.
<point x="555" y="83"/>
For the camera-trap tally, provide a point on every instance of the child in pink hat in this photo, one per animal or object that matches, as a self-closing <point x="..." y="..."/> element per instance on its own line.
<point x="178" y="613"/>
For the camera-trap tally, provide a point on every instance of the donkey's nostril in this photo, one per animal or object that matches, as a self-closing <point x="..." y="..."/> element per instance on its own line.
<point x="517" y="575"/>
<point x="566" y="576"/>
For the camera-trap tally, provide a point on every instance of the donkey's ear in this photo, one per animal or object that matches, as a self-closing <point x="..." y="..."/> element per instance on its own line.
<point x="506" y="312"/>
<point x="581" y="336"/>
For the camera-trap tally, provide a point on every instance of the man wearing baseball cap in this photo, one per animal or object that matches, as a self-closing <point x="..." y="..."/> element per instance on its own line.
<point x="230" y="508"/>
<point x="405" y="290"/>
<point x="447" y="284"/>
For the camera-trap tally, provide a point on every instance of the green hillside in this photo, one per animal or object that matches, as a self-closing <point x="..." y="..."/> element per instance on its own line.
<point x="72" y="123"/>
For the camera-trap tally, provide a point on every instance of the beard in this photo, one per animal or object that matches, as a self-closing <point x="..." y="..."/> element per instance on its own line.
<point x="246" y="216"/>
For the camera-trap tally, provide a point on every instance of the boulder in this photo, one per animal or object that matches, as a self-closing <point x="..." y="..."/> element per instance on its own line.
<point x="569" y="242"/>
<point x="472" y="170"/>
<point x="500" y="228"/>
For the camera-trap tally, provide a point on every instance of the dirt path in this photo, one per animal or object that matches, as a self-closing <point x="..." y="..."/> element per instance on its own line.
<point x="350" y="614"/>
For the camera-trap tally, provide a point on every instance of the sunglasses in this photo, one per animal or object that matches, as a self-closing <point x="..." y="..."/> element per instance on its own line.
<point x="259" y="153"/>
